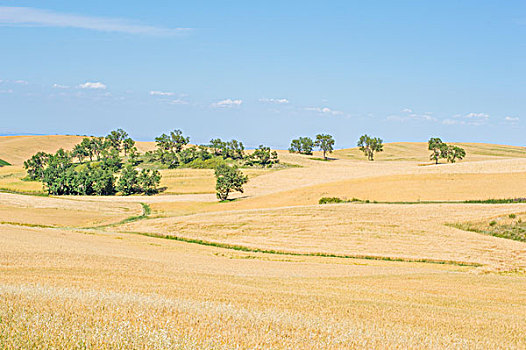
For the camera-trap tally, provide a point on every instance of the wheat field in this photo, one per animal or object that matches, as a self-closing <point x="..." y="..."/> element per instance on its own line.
<point x="271" y="269"/>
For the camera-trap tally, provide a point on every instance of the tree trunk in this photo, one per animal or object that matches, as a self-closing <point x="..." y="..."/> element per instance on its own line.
<point x="324" y="156"/>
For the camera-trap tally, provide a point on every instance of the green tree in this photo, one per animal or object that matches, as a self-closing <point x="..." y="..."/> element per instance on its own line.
<point x="263" y="156"/>
<point x="325" y="143"/>
<point x="58" y="176"/>
<point x="295" y="146"/>
<point x="35" y="165"/>
<point x="438" y="148"/>
<point x="80" y="152"/>
<point x="173" y="142"/>
<point x="217" y="146"/>
<point x="228" y="179"/>
<point x="369" y="145"/>
<point x="96" y="145"/>
<point x="454" y="153"/>
<point x="103" y="182"/>
<point x="128" y="144"/>
<point x="148" y="181"/>
<point x="303" y="145"/>
<point x="116" y="138"/>
<point x="128" y="182"/>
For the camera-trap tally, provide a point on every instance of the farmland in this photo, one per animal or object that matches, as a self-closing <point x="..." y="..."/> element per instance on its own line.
<point x="272" y="268"/>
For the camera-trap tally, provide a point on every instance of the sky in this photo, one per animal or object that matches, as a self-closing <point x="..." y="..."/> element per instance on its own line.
<point x="266" y="72"/>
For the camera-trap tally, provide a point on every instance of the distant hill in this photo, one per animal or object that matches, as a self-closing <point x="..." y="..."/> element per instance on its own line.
<point x="417" y="151"/>
<point x="16" y="149"/>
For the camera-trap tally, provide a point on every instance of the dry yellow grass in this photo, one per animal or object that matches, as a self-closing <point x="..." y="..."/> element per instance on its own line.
<point x="144" y="293"/>
<point x="188" y="181"/>
<point x="395" y="231"/>
<point x="69" y="287"/>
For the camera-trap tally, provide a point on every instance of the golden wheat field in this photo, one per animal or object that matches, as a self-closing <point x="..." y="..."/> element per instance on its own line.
<point x="273" y="268"/>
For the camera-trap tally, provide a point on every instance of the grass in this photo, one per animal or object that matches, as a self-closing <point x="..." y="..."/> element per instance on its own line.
<point x="3" y="163"/>
<point x="336" y="200"/>
<point x="146" y="211"/>
<point x="316" y="254"/>
<point x="509" y="227"/>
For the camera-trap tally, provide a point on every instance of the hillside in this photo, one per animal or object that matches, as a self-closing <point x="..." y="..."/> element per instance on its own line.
<point x="16" y="149"/>
<point x="417" y="151"/>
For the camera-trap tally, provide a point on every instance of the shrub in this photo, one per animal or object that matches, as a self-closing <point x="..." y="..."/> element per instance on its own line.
<point x="331" y="200"/>
<point x="493" y="223"/>
<point x="512" y="216"/>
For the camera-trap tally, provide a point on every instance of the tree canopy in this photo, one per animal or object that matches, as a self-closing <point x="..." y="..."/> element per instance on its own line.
<point x="369" y="145"/>
<point x="326" y="143"/>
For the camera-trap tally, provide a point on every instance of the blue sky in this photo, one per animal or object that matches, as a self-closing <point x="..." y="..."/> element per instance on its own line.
<point x="266" y="72"/>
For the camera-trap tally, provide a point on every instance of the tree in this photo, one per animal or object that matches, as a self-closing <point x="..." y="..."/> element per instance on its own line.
<point x="303" y="145"/>
<point x="217" y="146"/>
<point x="228" y="179"/>
<point x="263" y="156"/>
<point x="295" y="146"/>
<point x="116" y="137"/>
<point x="454" y="153"/>
<point x="148" y="181"/>
<point x="438" y="148"/>
<point x="369" y="145"/>
<point x="128" y="182"/>
<point x="80" y="152"/>
<point x="233" y="149"/>
<point x="87" y="146"/>
<point x="111" y="160"/>
<point x="97" y="146"/>
<point x="35" y="165"/>
<point x="325" y="143"/>
<point x="58" y="176"/>
<point x="128" y="144"/>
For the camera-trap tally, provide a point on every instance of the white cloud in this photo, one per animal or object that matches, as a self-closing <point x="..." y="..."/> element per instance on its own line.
<point x="92" y="85"/>
<point x="27" y="16"/>
<point x="178" y="102"/>
<point x="511" y="119"/>
<point x="480" y="116"/>
<point x="407" y="110"/>
<point x="413" y="116"/>
<point x="449" y="121"/>
<point x="324" y="110"/>
<point x="59" y="86"/>
<point x="20" y="82"/>
<point x="274" y="100"/>
<point x="8" y="91"/>
<point x="227" y="103"/>
<point x="161" y="93"/>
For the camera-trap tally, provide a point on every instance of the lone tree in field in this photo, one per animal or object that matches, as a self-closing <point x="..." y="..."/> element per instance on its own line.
<point x="303" y="145"/>
<point x="368" y="145"/>
<point x="325" y="142"/>
<point x="454" y="153"/>
<point x="439" y="149"/>
<point x="228" y="179"/>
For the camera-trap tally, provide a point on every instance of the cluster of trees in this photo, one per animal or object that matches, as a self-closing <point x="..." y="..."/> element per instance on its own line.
<point x="369" y="145"/>
<point x="305" y="145"/>
<point x="440" y="149"/>
<point x="173" y="151"/>
<point x="61" y="175"/>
